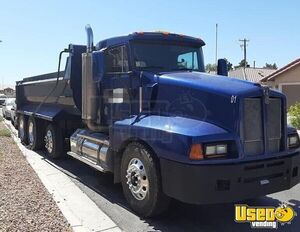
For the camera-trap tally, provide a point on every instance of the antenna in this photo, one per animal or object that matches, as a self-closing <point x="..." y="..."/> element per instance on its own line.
<point x="216" y="44"/>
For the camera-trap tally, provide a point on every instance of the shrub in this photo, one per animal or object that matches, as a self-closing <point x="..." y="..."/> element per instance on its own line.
<point x="294" y="114"/>
<point x="4" y="133"/>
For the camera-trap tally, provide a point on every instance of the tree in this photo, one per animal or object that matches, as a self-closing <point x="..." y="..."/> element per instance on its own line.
<point x="242" y="64"/>
<point x="229" y="65"/>
<point x="271" y="66"/>
<point x="211" y="68"/>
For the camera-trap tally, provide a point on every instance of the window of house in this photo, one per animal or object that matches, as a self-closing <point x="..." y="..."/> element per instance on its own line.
<point x="117" y="60"/>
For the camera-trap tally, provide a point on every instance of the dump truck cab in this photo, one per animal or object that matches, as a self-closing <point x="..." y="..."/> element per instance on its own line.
<point x="142" y="107"/>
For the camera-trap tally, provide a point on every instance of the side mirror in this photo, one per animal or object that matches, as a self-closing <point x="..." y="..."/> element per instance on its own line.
<point x="222" y="67"/>
<point x="98" y="65"/>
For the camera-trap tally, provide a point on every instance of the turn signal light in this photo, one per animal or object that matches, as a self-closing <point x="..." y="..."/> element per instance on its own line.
<point x="196" y="152"/>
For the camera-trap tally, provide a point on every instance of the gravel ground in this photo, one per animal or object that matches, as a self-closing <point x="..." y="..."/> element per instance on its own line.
<point x="25" y="204"/>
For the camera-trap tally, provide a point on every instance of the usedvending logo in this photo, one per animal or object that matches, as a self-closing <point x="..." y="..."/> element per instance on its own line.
<point x="264" y="217"/>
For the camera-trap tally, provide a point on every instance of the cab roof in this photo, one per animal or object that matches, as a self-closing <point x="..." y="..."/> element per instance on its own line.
<point x="163" y="36"/>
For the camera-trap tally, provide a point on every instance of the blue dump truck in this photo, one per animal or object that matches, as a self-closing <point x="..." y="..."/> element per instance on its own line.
<point x="142" y="107"/>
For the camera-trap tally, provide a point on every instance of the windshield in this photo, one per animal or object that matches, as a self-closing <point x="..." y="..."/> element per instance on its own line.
<point x="164" y="56"/>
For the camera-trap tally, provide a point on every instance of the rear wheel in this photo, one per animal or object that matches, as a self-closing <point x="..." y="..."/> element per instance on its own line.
<point x="22" y="129"/>
<point x="54" y="142"/>
<point x="35" y="134"/>
<point x="15" y="122"/>
<point x="141" y="181"/>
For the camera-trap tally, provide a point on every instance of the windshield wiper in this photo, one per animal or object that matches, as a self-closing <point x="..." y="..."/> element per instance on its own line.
<point x="183" y="69"/>
<point x="152" y="67"/>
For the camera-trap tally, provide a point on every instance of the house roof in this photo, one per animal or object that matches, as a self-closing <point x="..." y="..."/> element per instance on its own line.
<point x="2" y="87"/>
<point x="251" y="74"/>
<point x="273" y="75"/>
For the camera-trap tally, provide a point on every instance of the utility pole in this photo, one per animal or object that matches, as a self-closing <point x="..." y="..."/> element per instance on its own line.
<point x="244" y="45"/>
<point x="216" y="44"/>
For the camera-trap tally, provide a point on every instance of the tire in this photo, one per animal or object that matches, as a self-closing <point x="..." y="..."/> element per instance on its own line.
<point x="145" y="196"/>
<point x="35" y="134"/>
<point x="22" y="129"/>
<point x="54" y="142"/>
<point x="15" y="122"/>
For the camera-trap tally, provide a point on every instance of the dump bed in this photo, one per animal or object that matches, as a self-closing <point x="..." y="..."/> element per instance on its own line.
<point x="51" y="96"/>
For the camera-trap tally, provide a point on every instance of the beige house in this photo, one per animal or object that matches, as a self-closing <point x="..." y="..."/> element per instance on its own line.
<point x="287" y="81"/>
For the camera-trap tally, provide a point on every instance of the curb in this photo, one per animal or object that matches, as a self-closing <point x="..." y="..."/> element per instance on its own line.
<point x="79" y="210"/>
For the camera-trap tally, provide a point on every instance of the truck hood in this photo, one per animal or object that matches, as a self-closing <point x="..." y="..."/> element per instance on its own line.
<point x="213" y="84"/>
<point x="210" y="98"/>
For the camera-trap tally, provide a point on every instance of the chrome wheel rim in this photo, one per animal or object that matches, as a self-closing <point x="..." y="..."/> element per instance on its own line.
<point x="30" y="132"/>
<point x="49" y="141"/>
<point x="21" y="129"/>
<point x="137" y="179"/>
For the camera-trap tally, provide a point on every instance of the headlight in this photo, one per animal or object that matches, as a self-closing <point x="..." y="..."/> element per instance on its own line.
<point x="293" y="141"/>
<point x="215" y="150"/>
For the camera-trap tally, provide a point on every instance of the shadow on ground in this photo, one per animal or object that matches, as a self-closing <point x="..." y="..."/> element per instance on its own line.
<point x="179" y="217"/>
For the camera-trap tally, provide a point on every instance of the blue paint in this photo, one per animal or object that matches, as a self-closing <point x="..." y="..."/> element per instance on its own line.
<point x="179" y="108"/>
<point x="150" y="36"/>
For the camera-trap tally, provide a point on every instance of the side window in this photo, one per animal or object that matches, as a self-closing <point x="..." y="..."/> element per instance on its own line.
<point x="188" y="60"/>
<point x="116" y="60"/>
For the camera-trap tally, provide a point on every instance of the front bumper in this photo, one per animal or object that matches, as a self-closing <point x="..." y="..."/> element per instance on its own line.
<point x="209" y="184"/>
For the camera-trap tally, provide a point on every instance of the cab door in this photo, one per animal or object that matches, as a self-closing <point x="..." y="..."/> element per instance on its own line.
<point x="116" y="85"/>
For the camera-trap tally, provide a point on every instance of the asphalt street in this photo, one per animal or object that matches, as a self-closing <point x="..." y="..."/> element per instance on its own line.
<point x="180" y="217"/>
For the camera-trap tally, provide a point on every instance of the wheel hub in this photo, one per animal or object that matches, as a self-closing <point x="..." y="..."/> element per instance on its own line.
<point x="30" y="133"/>
<point x="21" y="128"/>
<point x="49" y="141"/>
<point x="137" y="179"/>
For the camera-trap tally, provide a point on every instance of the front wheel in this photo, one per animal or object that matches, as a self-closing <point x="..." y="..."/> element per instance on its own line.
<point x="141" y="181"/>
<point x="54" y="142"/>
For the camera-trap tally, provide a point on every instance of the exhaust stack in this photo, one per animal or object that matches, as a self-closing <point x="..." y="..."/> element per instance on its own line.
<point x="90" y="38"/>
<point x="90" y="96"/>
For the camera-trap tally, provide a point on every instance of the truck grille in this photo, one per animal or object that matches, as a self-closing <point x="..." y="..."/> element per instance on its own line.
<point x="261" y="131"/>
<point x="274" y="125"/>
<point x="253" y="127"/>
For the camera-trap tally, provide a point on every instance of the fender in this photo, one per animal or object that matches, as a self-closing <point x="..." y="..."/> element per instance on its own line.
<point x="169" y="137"/>
<point x="47" y="112"/>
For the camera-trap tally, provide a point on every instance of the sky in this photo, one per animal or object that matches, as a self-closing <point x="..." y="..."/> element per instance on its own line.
<point x="33" y="32"/>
